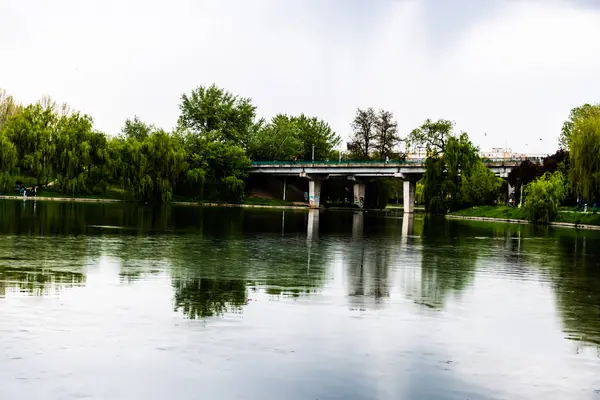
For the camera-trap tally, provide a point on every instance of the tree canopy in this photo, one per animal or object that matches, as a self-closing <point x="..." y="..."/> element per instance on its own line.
<point x="432" y="135"/>
<point x="375" y="134"/>
<point x="212" y="109"/>
<point x="543" y="197"/>
<point x="577" y="115"/>
<point x="286" y="136"/>
<point x="585" y="156"/>
<point x="455" y="177"/>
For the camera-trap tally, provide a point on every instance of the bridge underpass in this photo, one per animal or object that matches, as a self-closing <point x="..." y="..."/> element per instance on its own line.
<point x="362" y="172"/>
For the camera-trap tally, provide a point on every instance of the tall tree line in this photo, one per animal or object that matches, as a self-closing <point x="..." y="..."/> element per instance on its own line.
<point x="206" y="156"/>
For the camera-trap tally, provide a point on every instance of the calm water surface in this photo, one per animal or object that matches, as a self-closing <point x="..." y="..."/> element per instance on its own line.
<point x="108" y="301"/>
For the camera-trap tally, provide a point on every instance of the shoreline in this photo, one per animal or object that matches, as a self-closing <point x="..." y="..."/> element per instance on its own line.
<point x="179" y="203"/>
<point x="191" y="203"/>
<point x="522" y="221"/>
<point x="65" y="199"/>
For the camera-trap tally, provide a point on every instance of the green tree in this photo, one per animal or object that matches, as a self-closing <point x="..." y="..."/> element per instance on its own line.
<point x="543" y="197"/>
<point x="8" y="107"/>
<point x="211" y="109"/>
<point x="137" y="129"/>
<point x="434" y="188"/>
<point x="8" y="163"/>
<point x="364" y="133"/>
<point x="433" y="136"/>
<point x="455" y="177"/>
<point x="277" y="140"/>
<point x="315" y="132"/>
<point x="227" y="168"/>
<point x="521" y="175"/>
<point x="149" y="168"/>
<point x="73" y="157"/>
<point x="480" y="185"/>
<point x="286" y="137"/>
<point x="459" y="158"/>
<point x="578" y="114"/>
<point x="214" y="167"/>
<point x="33" y="132"/>
<point x="386" y="133"/>
<point x="585" y="156"/>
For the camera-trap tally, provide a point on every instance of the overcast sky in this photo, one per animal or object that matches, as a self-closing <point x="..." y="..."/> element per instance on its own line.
<point x="511" y="69"/>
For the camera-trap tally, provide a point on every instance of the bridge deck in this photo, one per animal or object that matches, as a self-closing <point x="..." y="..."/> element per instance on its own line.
<point x="501" y="162"/>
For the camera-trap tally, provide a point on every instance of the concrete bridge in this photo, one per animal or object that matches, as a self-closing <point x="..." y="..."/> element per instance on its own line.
<point x="361" y="172"/>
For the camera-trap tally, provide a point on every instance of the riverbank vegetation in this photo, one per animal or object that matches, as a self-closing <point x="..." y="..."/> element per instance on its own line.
<point x="503" y="212"/>
<point x="571" y="176"/>
<point x="205" y="157"/>
<point x="455" y="175"/>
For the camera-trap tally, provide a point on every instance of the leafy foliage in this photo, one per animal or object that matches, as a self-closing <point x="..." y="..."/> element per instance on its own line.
<point x="577" y="115"/>
<point x="585" y="156"/>
<point x="8" y="162"/>
<point x="456" y="178"/>
<point x="286" y="137"/>
<point x="33" y="132"/>
<point x="211" y="109"/>
<point x="526" y="172"/>
<point x="364" y="128"/>
<point x="386" y="133"/>
<point x="432" y="135"/>
<point x="543" y="197"/>
<point x="8" y="107"/>
<point x="374" y="134"/>
<point x="277" y="140"/>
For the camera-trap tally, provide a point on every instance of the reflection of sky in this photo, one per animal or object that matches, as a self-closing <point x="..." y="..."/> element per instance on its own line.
<point x="499" y="338"/>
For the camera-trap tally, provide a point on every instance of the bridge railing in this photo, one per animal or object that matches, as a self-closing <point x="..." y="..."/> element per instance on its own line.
<point x="408" y="162"/>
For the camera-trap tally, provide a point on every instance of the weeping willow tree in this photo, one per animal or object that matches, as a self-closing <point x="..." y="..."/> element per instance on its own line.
<point x="543" y="197"/>
<point x="8" y="107"/>
<point x="149" y="165"/>
<point x="8" y="162"/>
<point x="585" y="156"/>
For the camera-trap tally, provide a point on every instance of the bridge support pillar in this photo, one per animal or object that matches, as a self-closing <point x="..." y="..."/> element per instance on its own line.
<point x="359" y="194"/>
<point x="358" y="223"/>
<point x="312" y="227"/>
<point x="410" y="188"/>
<point x="314" y="193"/>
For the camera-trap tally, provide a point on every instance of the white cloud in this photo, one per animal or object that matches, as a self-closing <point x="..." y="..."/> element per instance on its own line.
<point x="514" y="74"/>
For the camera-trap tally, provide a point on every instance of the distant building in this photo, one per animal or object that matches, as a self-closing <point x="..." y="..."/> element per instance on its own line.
<point x="501" y="153"/>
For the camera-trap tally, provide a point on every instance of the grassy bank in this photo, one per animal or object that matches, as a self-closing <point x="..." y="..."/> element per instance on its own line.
<point x="579" y="218"/>
<point x="116" y="194"/>
<point x="501" y="212"/>
<point x="112" y="193"/>
<point x="504" y="212"/>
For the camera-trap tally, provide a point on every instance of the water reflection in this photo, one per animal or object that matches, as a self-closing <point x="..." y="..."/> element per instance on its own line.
<point x="315" y="294"/>
<point x="201" y="298"/>
<point x="37" y="282"/>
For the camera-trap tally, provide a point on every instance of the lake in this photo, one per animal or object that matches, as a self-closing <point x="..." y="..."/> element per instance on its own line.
<point x="118" y="301"/>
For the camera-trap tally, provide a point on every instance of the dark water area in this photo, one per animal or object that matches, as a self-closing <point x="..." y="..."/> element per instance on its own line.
<point x="117" y="301"/>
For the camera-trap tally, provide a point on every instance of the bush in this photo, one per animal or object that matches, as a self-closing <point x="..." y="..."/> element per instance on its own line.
<point x="543" y="197"/>
<point x="436" y="206"/>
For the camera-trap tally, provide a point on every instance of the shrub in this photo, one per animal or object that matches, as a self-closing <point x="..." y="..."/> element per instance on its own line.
<point x="543" y="197"/>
